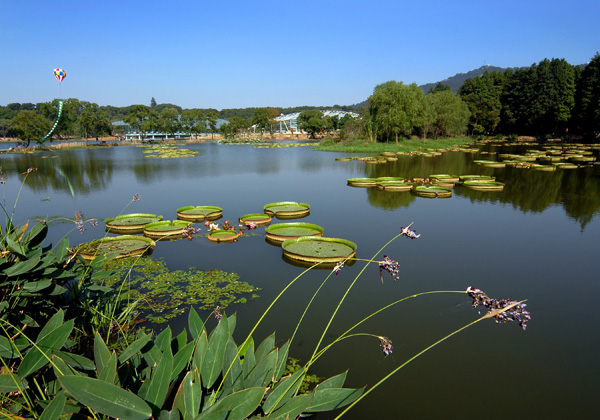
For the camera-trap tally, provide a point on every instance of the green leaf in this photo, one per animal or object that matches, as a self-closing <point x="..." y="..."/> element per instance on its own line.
<point x="106" y="398"/>
<point x="62" y="249"/>
<point x="109" y="371"/>
<point x="213" y="361"/>
<point x="178" y="342"/>
<point x="249" y="361"/>
<point x="265" y="347"/>
<point x="239" y="405"/>
<point x="101" y="352"/>
<point x="54" y="322"/>
<point x="331" y="398"/>
<point x="134" y="348"/>
<point x="234" y="378"/>
<point x="200" y="353"/>
<point x="333" y="382"/>
<point x="37" y="235"/>
<point x="283" y="391"/>
<point x="61" y="368"/>
<point x="182" y="358"/>
<point x="163" y="340"/>
<point x="11" y="383"/>
<point x="75" y="360"/>
<point x="55" y="408"/>
<point x="22" y="267"/>
<point x="161" y="379"/>
<point x="38" y="357"/>
<point x="293" y="408"/>
<point x="169" y="415"/>
<point x="7" y="350"/>
<point x="195" y="324"/>
<point x="36" y="286"/>
<point x="282" y="358"/>
<point x="231" y="322"/>
<point x="262" y="374"/>
<point x="189" y="397"/>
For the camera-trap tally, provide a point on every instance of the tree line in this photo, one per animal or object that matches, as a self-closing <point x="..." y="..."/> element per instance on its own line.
<point x="549" y="98"/>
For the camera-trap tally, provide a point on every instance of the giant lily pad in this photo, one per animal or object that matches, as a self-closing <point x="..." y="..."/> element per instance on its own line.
<point x="484" y="185"/>
<point x="280" y="232"/>
<point x="362" y="182"/>
<point x="444" y="177"/>
<point x="199" y="213"/>
<point x="166" y="229"/>
<point x="219" y="235"/>
<point x="130" y="223"/>
<point x="317" y="249"/>
<point x="394" y="186"/>
<point x="124" y="246"/>
<point x="432" y="191"/>
<point x="476" y="178"/>
<point x="287" y="209"/>
<point x="258" y="219"/>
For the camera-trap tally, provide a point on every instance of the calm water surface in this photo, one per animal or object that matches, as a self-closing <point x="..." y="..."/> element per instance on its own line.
<point x="537" y="240"/>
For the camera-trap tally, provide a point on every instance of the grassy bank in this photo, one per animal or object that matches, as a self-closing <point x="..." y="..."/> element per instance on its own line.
<point x="406" y="145"/>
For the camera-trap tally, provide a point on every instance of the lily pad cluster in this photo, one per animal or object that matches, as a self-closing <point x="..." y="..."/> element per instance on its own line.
<point x="167" y="151"/>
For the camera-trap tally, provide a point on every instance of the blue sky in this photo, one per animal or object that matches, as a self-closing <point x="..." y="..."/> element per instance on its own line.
<point x="238" y="54"/>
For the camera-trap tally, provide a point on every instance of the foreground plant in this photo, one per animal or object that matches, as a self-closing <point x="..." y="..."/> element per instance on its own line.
<point x="207" y="377"/>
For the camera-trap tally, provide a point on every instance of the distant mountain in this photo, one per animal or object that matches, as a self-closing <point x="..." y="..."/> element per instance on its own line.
<point x="456" y="81"/>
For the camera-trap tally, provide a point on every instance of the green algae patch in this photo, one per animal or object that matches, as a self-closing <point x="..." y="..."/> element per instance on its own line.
<point x="165" y="294"/>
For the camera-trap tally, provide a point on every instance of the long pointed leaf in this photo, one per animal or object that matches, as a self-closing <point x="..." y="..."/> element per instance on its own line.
<point x="195" y="324"/>
<point x="331" y="398"/>
<point x="234" y="379"/>
<point x="35" y="359"/>
<point x="106" y="398"/>
<point x="161" y="379"/>
<point x="109" y="371"/>
<point x="188" y="398"/>
<point x="333" y="382"/>
<point x="134" y="347"/>
<point x="293" y="408"/>
<point x="11" y="383"/>
<point x="200" y="352"/>
<point x="239" y="405"/>
<point x="182" y="359"/>
<point x="283" y="391"/>
<point x="101" y="353"/>
<point x="282" y="357"/>
<point x="263" y="372"/>
<point x="265" y="347"/>
<point x="55" y="408"/>
<point x="213" y="361"/>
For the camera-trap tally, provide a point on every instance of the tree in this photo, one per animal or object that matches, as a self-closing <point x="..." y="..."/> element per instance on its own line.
<point x="588" y="96"/>
<point x="212" y="117"/>
<point x="142" y="118"/>
<point x="193" y="121"/>
<point x="482" y="94"/>
<point x="313" y="122"/>
<point x="168" y="121"/>
<point x="92" y="121"/>
<point x="235" y="126"/>
<point x="29" y="125"/>
<point x="264" y="118"/>
<point x="67" y="124"/>
<point x="448" y="114"/>
<point x="152" y="102"/>
<point x="396" y="109"/>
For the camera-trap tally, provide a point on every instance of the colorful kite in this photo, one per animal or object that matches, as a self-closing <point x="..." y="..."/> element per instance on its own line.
<point x="60" y="74"/>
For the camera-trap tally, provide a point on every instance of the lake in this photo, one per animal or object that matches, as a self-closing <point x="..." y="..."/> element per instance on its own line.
<point x="537" y="240"/>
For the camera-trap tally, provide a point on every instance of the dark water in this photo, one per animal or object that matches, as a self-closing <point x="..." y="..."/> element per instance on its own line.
<point x="536" y="240"/>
